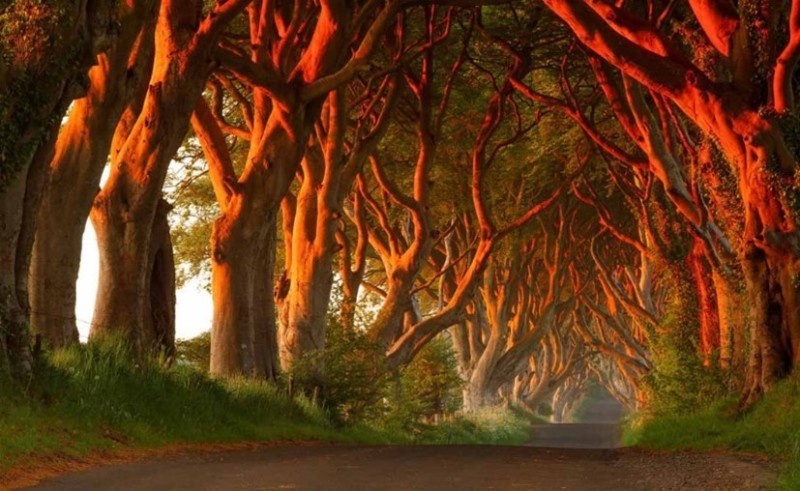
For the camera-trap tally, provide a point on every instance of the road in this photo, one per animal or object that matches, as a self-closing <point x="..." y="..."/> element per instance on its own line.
<point x="438" y="468"/>
<point x="599" y="429"/>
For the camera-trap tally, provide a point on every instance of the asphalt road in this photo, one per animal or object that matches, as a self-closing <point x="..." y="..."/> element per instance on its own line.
<point x="437" y="468"/>
<point x="599" y="429"/>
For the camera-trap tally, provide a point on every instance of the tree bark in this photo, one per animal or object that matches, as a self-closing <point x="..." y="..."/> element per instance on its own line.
<point x="159" y="313"/>
<point x="63" y="43"/>
<point x="245" y="222"/>
<point x="310" y="278"/>
<point x="265" y="327"/>
<point x="749" y="132"/>
<point x="81" y="154"/>
<point x="708" y="307"/>
<point x="124" y="211"/>
<point x="287" y="102"/>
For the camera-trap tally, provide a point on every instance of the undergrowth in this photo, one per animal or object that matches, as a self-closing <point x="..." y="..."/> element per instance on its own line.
<point x="769" y="428"/>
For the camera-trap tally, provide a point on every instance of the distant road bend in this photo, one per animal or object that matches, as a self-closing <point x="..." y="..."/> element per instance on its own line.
<point x="592" y="463"/>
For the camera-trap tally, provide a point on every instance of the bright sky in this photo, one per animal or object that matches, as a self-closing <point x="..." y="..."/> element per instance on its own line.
<point x="192" y="309"/>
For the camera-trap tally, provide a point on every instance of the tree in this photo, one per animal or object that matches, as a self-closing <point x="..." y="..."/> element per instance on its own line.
<point x="747" y="107"/>
<point x="124" y="212"/>
<point x="60" y="39"/>
<point x="114" y="94"/>
<point x="291" y="71"/>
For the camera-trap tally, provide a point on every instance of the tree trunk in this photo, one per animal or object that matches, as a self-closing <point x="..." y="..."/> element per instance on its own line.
<point x="264" y="322"/>
<point x="16" y="356"/>
<point x="476" y="396"/>
<point x="159" y="312"/>
<point x="238" y="235"/>
<point x="124" y="242"/>
<point x="234" y="252"/>
<point x="731" y="322"/>
<point x="81" y="154"/>
<point x="64" y="44"/>
<point x="311" y="276"/>
<point x="124" y="211"/>
<point x="769" y="359"/>
<point x="708" y="307"/>
<point x="388" y="324"/>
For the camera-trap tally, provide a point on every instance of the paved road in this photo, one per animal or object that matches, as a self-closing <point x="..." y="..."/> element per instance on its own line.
<point x="438" y="468"/>
<point x="599" y="429"/>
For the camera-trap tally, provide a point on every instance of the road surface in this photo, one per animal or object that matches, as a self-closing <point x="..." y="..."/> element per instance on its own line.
<point x="599" y="428"/>
<point x="437" y="468"/>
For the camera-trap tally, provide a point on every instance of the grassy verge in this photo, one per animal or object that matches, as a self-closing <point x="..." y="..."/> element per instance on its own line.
<point x="91" y="399"/>
<point x="771" y="428"/>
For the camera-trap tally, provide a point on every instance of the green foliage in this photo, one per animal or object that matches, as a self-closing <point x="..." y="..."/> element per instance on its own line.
<point x="357" y="387"/>
<point x="195" y="352"/>
<point x="95" y="397"/>
<point x="493" y="426"/>
<point x="36" y="57"/>
<point x="679" y="381"/>
<point x="354" y="380"/>
<point x="426" y="389"/>
<point x="769" y="428"/>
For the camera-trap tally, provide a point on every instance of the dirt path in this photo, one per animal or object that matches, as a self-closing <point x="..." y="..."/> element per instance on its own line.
<point x="439" y="468"/>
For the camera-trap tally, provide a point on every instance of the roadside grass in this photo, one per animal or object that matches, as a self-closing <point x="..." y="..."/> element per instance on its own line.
<point x="93" y="398"/>
<point x="493" y="426"/>
<point x="771" y="427"/>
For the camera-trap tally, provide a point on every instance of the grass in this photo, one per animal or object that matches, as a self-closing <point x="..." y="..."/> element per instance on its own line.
<point x="91" y="398"/>
<point x="771" y="428"/>
<point x="494" y="426"/>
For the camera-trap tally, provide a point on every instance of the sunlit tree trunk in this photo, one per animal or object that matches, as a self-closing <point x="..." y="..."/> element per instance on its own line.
<point x="329" y="171"/>
<point x="707" y="303"/>
<point x="290" y="73"/>
<point x="81" y="154"/>
<point x="62" y="42"/>
<point x="235" y="267"/>
<point x="124" y="211"/>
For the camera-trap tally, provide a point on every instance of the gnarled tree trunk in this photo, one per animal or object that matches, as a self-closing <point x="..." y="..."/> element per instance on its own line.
<point x="81" y="154"/>
<point x="124" y="212"/>
<point x="61" y="41"/>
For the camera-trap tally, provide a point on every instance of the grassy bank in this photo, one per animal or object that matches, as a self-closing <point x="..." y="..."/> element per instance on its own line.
<point x="770" y="428"/>
<point x="90" y="399"/>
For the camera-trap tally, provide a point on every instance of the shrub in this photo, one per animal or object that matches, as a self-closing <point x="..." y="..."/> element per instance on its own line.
<point x="195" y="352"/>
<point x="348" y="376"/>
<point x="428" y="387"/>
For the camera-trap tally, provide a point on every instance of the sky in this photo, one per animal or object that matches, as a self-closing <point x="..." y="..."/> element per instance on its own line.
<point x="192" y="310"/>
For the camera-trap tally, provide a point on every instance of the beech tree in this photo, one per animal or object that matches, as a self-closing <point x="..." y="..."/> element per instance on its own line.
<point x="292" y="69"/>
<point x="61" y="40"/>
<point x="124" y="211"/>
<point x="115" y="92"/>
<point x="747" y="106"/>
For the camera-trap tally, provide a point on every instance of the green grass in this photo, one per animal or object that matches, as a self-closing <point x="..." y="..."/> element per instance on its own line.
<point x="91" y="398"/>
<point x="495" y="426"/>
<point x="771" y="428"/>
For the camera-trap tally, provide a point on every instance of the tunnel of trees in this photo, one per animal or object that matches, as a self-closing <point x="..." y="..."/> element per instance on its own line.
<point x="563" y="191"/>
